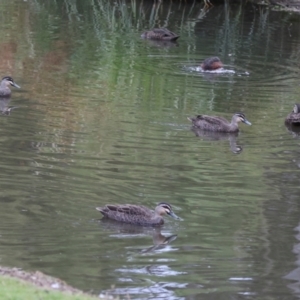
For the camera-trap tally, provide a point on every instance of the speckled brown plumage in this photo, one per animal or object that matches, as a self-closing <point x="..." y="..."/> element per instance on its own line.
<point x="294" y="117"/>
<point x="218" y="124"/>
<point x="211" y="63"/>
<point x="137" y="214"/>
<point x="163" y="34"/>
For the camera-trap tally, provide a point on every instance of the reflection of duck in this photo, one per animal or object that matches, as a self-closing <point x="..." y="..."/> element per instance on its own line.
<point x="211" y="63"/>
<point x="159" y="241"/>
<point x="294" y="129"/>
<point x="218" y="136"/>
<point x="130" y="230"/>
<point x="137" y="214"/>
<point x="163" y="34"/>
<point x="219" y="124"/>
<point x="161" y="43"/>
<point x="4" y="86"/>
<point x="294" y="117"/>
<point x="4" y="108"/>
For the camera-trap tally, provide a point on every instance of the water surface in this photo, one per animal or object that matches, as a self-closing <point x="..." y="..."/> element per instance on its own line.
<point x="102" y="118"/>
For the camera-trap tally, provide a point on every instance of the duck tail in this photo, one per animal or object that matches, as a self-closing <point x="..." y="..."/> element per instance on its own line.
<point x="101" y="209"/>
<point x="175" y="38"/>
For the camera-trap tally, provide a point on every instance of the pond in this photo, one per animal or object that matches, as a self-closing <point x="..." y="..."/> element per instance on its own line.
<point x="101" y="117"/>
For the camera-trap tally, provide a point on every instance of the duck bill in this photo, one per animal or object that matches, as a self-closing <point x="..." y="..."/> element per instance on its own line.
<point x="15" y="85"/>
<point x="247" y="122"/>
<point x="171" y="214"/>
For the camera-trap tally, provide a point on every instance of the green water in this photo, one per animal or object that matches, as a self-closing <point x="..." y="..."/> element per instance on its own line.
<point x="101" y="117"/>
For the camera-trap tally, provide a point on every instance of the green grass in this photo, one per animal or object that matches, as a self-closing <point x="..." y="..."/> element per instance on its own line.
<point x="15" y="289"/>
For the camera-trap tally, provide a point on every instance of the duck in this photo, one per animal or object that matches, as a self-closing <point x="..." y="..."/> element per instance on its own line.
<point x="4" y="86"/>
<point x="138" y="214"/>
<point x="218" y="124"/>
<point x="211" y="63"/>
<point x="294" y="117"/>
<point x="162" y="34"/>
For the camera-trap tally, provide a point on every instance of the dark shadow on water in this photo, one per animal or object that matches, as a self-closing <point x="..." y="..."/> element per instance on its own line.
<point x="128" y="230"/>
<point x="293" y="129"/>
<point x="220" y="136"/>
<point x="161" y="44"/>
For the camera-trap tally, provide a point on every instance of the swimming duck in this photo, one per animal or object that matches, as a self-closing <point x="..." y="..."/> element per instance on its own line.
<point x="4" y="86"/>
<point x="218" y="124"/>
<point x="294" y="117"/>
<point x="162" y="34"/>
<point x="211" y="63"/>
<point x="137" y="214"/>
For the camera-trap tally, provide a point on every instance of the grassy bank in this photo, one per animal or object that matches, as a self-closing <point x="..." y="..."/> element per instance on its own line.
<point x="16" y="289"/>
<point x="16" y="284"/>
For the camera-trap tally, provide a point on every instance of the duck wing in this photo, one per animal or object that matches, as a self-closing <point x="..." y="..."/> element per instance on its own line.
<point x="293" y="118"/>
<point x="211" y="123"/>
<point x="162" y="33"/>
<point x="130" y="209"/>
<point x="128" y="213"/>
<point x="214" y="120"/>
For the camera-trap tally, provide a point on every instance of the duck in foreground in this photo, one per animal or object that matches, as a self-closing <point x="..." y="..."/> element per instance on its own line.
<point x="162" y="34"/>
<point x="219" y="124"/>
<point x="294" y="117"/>
<point x="138" y="214"/>
<point x="4" y="86"/>
<point x="211" y="63"/>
